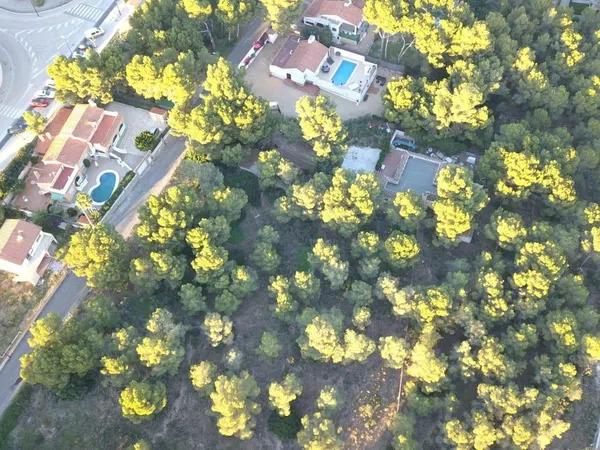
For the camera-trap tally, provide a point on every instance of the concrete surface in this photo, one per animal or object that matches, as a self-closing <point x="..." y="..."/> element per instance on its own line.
<point x="361" y="159"/>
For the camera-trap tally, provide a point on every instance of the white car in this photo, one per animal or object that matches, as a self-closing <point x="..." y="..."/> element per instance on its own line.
<point x="93" y="33"/>
<point x="45" y="93"/>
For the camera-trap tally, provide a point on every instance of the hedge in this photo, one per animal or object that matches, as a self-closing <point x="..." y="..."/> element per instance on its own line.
<point x="115" y="195"/>
<point x="10" y="176"/>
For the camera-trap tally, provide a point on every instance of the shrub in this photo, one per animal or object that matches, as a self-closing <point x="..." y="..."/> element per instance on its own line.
<point x="145" y="141"/>
<point x="323" y="35"/>
<point x="71" y="212"/>
<point x="86" y="162"/>
<point x="285" y="428"/>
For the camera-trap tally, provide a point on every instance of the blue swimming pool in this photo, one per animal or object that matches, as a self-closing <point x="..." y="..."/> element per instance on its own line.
<point x="342" y="74"/>
<point x="107" y="181"/>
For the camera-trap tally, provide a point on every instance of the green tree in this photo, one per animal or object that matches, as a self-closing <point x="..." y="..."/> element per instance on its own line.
<point x="162" y="348"/>
<point x="148" y="272"/>
<point x="229" y="118"/>
<point x="36" y="123"/>
<point x="321" y="339"/>
<point x="394" y="351"/>
<point x="269" y="345"/>
<point x="232" y="400"/>
<point x="141" y="400"/>
<point x="265" y="254"/>
<point x="100" y="255"/>
<point x="274" y="170"/>
<point x="322" y="127"/>
<point x="326" y="258"/>
<point x="218" y="329"/>
<point x="507" y="229"/>
<point x="192" y="298"/>
<point x="406" y="210"/>
<point x="202" y="376"/>
<point x="319" y="433"/>
<point x="280" y="289"/>
<point x="282" y="13"/>
<point x="281" y="395"/>
<point x="401" y="250"/>
<point x="76" y="81"/>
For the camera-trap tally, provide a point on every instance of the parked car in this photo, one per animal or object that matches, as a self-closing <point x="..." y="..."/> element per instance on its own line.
<point x="93" y="33"/>
<point x="18" y="126"/>
<point x="80" y="51"/>
<point x="46" y="92"/>
<point x="41" y="102"/>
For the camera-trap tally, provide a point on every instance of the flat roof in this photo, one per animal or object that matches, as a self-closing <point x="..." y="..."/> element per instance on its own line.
<point x="419" y="176"/>
<point x="361" y="159"/>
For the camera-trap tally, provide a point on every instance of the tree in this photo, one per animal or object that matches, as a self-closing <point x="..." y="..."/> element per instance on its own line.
<point x="424" y="364"/>
<point x="330" y="399"/>
<point x="148" y="272"/>
<point x="319" y="433"/>
<point x="202" y="376"/>
<point x="401" y="249"/>
<point x="350" y="201"/>
<point x="394" y="351"/>
<point x="357" y="347"/>
<point x="322" y="127"/>
<point x="306" y="286"/>
<point x="192" y="298"/>
<point x="100" y="255"/>
<point x="406" y="210"/>
<point x="233" y="12"/>
<point x="77" y="81"/>
<point x="265" y="254"/>
<point x="269" y="345"/>
<point x="229" y="119"/>
<point x="507" y="229"/>
<point x="282" y="13"/>
<point x="321" y="337"/>
<point x="274" y="170"/>
<point x="326" y="258"/>
<point x="285" y="305"/>
<point x="284" y="393"/>
<point x="145" y="141"/>
<point x="162" y="349"/>
<point x="36" y="123"/>
<point x="85" y="204"/>
<point x="141" y="400"/>
<point x="218" y="329"/>
<point x="232" y="400"/>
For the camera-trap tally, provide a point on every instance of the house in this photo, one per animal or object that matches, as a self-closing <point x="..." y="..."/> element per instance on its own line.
<point x="333" y="70"/>
<point x="24" y="250"/>
<point x="403" y="170"/>
<point x="71" y="139"/>
<point x="343" y="18"/>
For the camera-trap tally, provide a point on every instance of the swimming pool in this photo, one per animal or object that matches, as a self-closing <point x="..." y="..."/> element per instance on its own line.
<point x="343" y="73"/>
<point x="419" y="176"/>
<point x="105" y="186"/>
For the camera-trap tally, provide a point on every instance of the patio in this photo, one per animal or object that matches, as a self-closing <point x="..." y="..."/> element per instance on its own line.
<point x="100" y="166"/>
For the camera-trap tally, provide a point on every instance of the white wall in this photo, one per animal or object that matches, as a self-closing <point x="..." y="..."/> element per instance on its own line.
<point x="280" y="72"/>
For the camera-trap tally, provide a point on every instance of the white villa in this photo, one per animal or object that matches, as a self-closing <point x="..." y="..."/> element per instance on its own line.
<point x="343" y="17"/>
<point x="332" y="69"/>
<point x="24" y="250"/>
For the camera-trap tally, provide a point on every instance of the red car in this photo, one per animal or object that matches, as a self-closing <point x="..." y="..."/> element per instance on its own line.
<point x="40" y="102"/>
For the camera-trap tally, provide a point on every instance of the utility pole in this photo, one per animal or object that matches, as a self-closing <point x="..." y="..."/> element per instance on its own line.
<point x="34" y="8"/>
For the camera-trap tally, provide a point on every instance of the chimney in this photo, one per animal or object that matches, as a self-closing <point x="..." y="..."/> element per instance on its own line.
<point x="19" y="235"/>
<point x="347" y="3"/>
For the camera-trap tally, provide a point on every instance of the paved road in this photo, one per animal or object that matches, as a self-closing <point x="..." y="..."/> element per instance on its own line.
<point x="28" y="43"/>
<point x="73" y="289"/>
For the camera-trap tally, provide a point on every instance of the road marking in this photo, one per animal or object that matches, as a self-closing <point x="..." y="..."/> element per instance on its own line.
<point x="85" y="12"/>
<point x="9" y="111"/>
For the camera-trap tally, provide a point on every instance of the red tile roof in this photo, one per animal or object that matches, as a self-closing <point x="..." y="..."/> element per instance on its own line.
<point x="63" y="177"/>
<point x="350" y="12"/>
<point x="392" y="162"/>
<point x="301" y="55"/>
<point x="16" y="239"/>
<point x="107" y="128"/>
<point x="52" y="129"/>
<point x="67" y="151"/>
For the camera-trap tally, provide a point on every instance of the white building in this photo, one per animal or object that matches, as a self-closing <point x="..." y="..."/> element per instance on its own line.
<point x="24" y="250"/>
<point x="332" y="70"/>
<point x="343" y="18"/>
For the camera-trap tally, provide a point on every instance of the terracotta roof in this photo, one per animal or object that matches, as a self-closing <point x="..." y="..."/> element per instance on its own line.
<point x="106" y="130"/>
<point x="83" y="121"/>
<point x="159" y="111"/>
<point x="43" y="173"/>
<point x="392" y="163"/>
<point x="16" y="239"/>
<point x="66" y="150"/>
<point x="63" y="177"/>
<point x="350" y="12"/>
<point x="301" y="55"/>
<point x="53" y="128"/>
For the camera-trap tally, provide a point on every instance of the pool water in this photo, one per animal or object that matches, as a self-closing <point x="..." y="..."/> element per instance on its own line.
<point x="107" y="182"/>
<point x="343" y="73"/>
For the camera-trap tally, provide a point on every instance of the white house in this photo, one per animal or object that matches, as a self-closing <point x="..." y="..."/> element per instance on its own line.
<point x="332" y="69"/>
<point x="24" y="250"/>
<point x="343" y="17"/>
